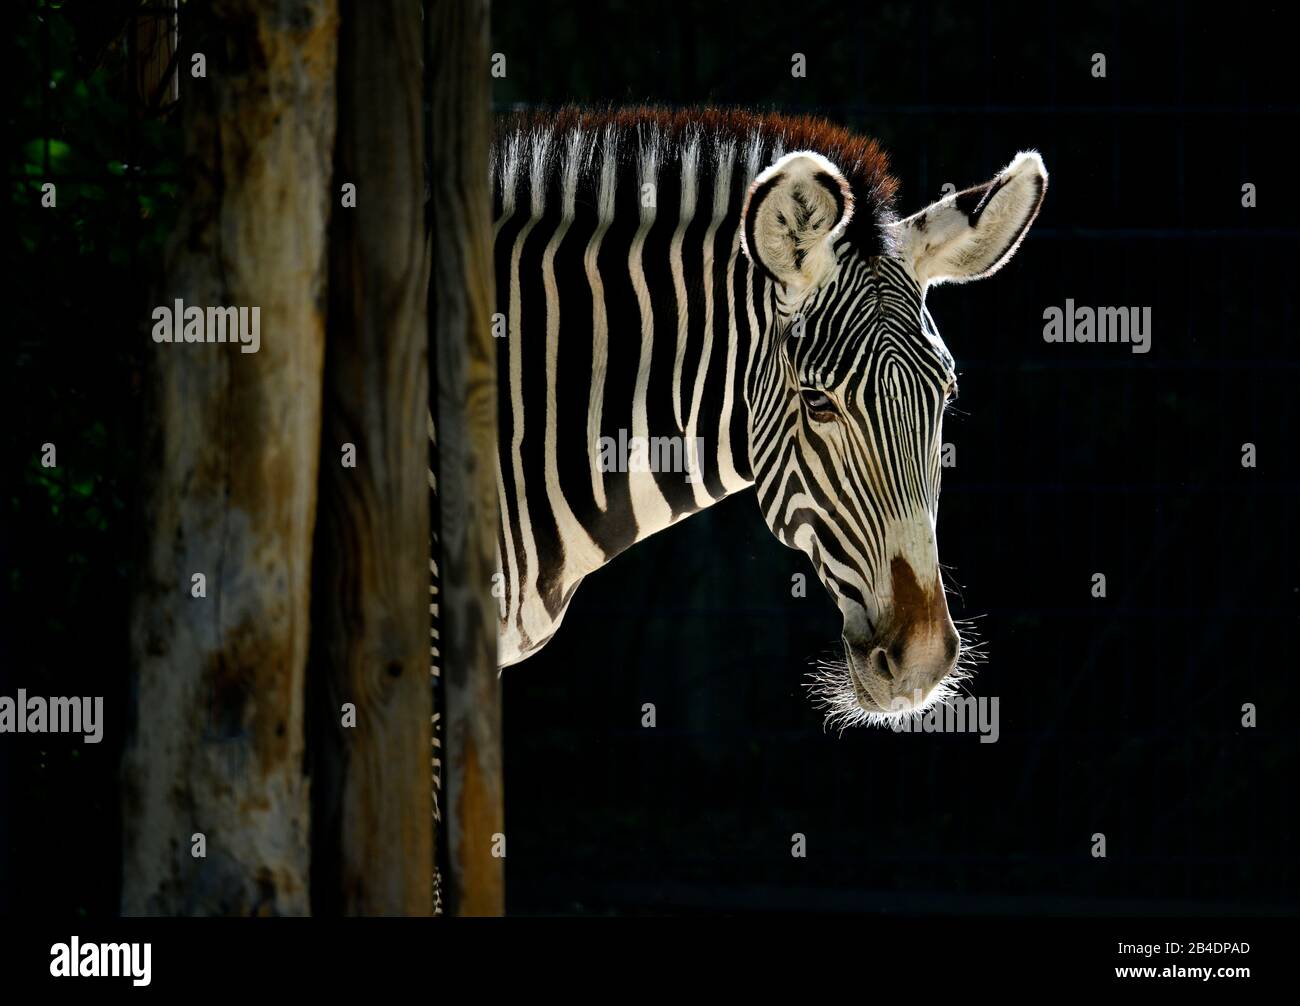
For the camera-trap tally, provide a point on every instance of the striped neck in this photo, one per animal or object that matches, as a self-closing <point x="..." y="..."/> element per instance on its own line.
<point x="637" y="327"/>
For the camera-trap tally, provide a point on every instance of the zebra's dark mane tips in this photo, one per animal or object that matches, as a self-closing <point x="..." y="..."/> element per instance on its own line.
<point x="540" y="143"/>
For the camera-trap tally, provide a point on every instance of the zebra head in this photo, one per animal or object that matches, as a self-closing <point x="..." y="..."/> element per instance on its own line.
<point x="846" y="435"/>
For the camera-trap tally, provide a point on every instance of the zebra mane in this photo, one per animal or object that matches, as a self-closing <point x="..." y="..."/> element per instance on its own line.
<point x="538" y="152"/>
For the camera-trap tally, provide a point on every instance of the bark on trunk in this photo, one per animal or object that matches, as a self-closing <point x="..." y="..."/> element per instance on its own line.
<point x="462" y="299"/>
<point x="233" y="441"/>
<point x="372" y="798"/>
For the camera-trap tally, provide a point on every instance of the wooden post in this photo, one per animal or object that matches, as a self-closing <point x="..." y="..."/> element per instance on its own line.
<point x="372" y="843"/>
<point x="157" y="77"/>
<point x="214" y="763"/>
<point x="462" y="297"/>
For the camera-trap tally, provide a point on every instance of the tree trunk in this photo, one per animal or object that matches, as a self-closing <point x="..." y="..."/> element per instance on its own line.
<point x="232" y="444"/>
<point x="461" y="307"/>
<point x="372" y="842"/>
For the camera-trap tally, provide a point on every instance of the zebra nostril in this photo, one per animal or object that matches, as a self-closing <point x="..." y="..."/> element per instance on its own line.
<point x="896" y="653"/>
<point x="883" y="666"/>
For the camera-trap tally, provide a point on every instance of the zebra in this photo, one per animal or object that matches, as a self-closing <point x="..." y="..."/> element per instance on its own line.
<point x="742" y="281"/>
<point x="739" y="280"/>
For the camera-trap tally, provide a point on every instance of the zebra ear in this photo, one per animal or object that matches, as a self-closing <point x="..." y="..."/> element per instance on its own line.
<point x="969" y="235"/>
<point x="793" y="212"/>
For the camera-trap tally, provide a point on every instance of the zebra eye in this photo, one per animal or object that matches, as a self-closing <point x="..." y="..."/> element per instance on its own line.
<point x="818" y="403"/>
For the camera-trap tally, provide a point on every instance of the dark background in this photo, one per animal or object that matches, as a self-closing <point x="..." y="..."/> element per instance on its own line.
<point x="1119" y="715"/>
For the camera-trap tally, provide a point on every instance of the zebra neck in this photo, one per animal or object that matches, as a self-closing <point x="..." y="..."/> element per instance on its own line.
<point x="638" y="334"/>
